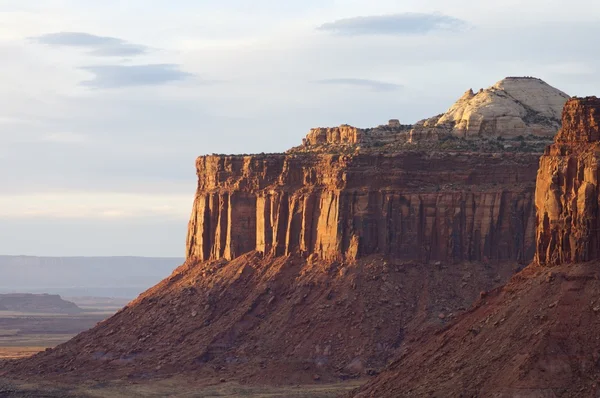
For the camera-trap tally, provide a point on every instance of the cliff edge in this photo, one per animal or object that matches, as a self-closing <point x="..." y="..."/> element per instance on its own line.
<point x="417" y="206"/>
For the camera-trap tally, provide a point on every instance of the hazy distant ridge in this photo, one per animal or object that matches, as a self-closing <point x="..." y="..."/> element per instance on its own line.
<point x="104" y="276"/>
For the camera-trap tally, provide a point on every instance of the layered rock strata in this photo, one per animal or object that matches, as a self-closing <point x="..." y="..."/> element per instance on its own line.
<point x="417" y="206"/>
<point x="567" y="188"/>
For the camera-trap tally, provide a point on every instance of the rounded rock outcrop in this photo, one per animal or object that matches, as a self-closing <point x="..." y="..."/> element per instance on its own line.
<point x="515" y="106"/>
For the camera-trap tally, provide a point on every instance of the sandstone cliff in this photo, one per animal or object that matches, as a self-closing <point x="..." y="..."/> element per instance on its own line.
<point x="567" y="188"/>
<point x="414" y="206"/>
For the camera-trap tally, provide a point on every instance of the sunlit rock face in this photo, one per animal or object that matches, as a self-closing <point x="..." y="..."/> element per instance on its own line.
<point x="515" y="106"/>
<point x="410" y="205"/>
<point x="567" y="188"/>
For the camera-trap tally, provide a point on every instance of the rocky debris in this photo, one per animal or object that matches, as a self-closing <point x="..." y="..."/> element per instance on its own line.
<point x="416" y="206"/>
<point x="37" y="303"/>
<point x="515" y="106"/>
<point x="530" y="338"/>
<point x="567" y="198"/>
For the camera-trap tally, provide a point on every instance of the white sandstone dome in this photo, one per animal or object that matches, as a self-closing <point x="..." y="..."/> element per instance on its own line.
<point x="512" y="107"/>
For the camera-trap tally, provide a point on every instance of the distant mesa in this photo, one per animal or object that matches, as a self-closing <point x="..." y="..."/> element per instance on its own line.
<point x="37" y="303"/>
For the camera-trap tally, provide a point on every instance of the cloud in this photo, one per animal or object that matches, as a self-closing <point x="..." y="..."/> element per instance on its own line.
<point x="395" y="24"/>
<point x="95" y="205"/>
<point x="114" y="76"/>
<point x="98" y="45"/>
<point x="364" y="83"/>
<point x="65" y="138"/>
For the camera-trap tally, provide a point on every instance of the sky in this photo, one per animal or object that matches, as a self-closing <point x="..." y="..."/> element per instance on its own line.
<point x="104" y="105"/>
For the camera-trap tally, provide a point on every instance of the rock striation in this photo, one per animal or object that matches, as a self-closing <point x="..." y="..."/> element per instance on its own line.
<point x="414" y="206"/>
<point x="566" y="196"/>
<point x="515" y="106"/>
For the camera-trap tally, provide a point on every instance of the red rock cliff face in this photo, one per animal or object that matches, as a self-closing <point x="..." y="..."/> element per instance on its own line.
<point x="415" y="206"/>
<point x="567" y="188"/>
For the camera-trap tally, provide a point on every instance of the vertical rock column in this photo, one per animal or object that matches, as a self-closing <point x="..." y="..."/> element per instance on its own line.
<point x="566" y="196"/>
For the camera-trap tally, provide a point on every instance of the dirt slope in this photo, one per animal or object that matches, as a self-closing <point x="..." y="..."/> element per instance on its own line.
<point x="535" y="337"/>
<point x="280" y="320"/>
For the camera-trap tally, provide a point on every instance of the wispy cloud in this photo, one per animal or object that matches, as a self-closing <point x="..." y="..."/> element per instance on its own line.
<point x="97" y="45"/>
<point x="65" y="138"/>
<point x="94" y="205"/>
<point x="362" y="83"/>
<point x="394" y="24"/>
<point x="114" y="76"/>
